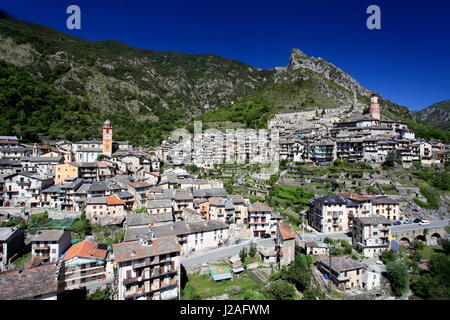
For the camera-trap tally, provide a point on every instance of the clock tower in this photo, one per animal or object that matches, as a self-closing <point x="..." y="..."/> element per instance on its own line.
<point x="107" y="137"/>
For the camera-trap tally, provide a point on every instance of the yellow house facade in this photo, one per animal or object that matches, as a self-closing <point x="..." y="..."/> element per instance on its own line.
<point x="64" y="171"/>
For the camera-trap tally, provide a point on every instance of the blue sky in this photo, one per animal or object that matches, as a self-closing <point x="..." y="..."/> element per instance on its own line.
<point x="407" y="61"/>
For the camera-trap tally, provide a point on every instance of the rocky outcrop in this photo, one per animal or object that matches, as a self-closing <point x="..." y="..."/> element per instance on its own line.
<point x="299" y="60"/>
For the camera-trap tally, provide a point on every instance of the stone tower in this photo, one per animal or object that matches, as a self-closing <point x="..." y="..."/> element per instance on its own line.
<point x="107" y="137"/>
<point x="374" y="108"/>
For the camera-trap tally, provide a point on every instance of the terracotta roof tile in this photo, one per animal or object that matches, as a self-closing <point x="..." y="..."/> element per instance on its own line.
<point x="85" y="249"/>
<point x="260" y="206"/>
<point x="286" y="231"/>
<point x="139" y="184"/>
<point x="114" y="200"/>
<point x="354" y="196"/>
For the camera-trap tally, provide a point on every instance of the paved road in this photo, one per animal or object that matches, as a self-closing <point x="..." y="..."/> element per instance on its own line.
<point x="224" y="252"/>
<point x="416" y="226"/>
<point x="321" y="236"/>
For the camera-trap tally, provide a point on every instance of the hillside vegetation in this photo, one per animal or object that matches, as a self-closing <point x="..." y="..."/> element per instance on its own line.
<point x="437" y="114"/>
<point x="58" y="85"/>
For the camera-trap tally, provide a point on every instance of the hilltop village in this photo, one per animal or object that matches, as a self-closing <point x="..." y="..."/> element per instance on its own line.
<point x="318" y="136"/>
<point x="106" y="215"/>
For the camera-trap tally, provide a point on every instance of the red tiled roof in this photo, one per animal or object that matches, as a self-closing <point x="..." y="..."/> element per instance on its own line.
<point x="152" y="173"/>
<point x="114" y="200"/>
<point x="102" y="164"/>
<point x="354" y="196"/>
<point x="85" y="249"/>
<point x="260" y="206"/>
<point x="139" y="184"/>
<point x="286" y="231"/>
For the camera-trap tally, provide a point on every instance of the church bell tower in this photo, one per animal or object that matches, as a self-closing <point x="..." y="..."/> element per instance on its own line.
<point x="107" y="138"/>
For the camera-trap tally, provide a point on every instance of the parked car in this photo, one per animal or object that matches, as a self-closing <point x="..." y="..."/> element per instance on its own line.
<point x="424" y="223"/>
<point x="237" y="241"/>
<point x="266" y="235"/>
<point x="396" y="223"/>
<point x="425" y="219"/>
<point x="407" y="221"/>
<point x="417" y="220"/>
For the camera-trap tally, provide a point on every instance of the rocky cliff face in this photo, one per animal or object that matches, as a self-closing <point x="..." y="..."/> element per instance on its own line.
<point x="299" y="60"/>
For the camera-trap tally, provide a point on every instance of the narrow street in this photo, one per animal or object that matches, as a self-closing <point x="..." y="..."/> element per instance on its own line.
<point x="227" y="251"/>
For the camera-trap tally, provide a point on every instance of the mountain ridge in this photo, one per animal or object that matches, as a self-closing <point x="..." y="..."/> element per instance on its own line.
<point x="160" y="89"/>
<point x="437" y="114"/>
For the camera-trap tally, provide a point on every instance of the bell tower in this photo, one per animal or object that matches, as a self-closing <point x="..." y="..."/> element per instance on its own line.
<point x="374" y="108"/>
<point x="107" y="137"/>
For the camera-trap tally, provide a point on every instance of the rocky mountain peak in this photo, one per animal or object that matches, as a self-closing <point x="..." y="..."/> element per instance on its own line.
<point x="295" y="59"/>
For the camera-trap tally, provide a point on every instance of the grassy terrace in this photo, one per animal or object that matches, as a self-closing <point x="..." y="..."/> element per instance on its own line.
<point x="427" y="251"/>
<point x="22" y="260"/>
<point x="389" y="189"/>
<point x="202" y="287"/>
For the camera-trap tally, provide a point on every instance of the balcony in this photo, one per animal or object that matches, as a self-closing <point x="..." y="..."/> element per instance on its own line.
<point x="130" y="280"/>
<point x="144" y="291"/>
<point x="145" y="263"/>
<point x="135" y="294"/>
<point x="158" y="272"/>
<point x="87" y="276"/>
<point x="45" y="248"/>
<point x="164" y="285"/>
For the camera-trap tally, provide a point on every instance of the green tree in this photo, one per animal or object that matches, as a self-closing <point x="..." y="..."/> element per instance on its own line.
<point x="243" y="254"/>
<point x="82" y="225"/>
<point x="435" y="283"/>
<point x="398" y="277"/>
<point x="391" y="159"/>
<point x="192" y="168"/>
<point x="250" y="294"/>
<point x="102" y="157"/>
<point x="100" y="294"/>
<point x="418" y="245"/>
<point x="252" y="250"/>
<point x="37" y="219"/>
<point x="445" y="243"/>
<point x="299" y="272"/>
<point x="280" y="290"/>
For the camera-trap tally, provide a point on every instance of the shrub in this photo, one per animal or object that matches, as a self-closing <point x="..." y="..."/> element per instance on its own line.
<point x="100" y="294"/>
<point x="398" y="277"/>
<point x="243" y="254"/>
<point x="280" y="290"/>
